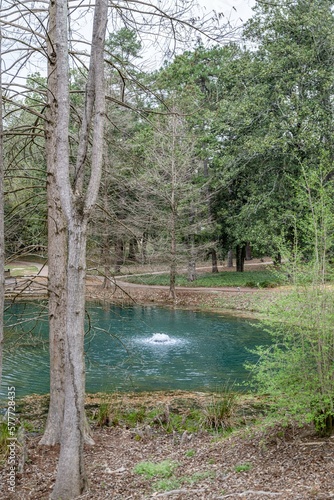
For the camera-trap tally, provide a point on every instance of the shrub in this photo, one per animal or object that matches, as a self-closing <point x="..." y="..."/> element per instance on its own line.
<point x="298" y="369"/>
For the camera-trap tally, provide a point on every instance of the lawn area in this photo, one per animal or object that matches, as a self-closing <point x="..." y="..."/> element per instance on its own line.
<point x="21" y="270"/>
<point x="254" y="279"/>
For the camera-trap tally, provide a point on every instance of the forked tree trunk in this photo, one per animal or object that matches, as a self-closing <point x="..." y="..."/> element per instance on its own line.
<point x="76" y="205"/>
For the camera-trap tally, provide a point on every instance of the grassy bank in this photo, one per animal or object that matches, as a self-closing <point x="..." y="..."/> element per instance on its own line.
<point x="254" y="279"/>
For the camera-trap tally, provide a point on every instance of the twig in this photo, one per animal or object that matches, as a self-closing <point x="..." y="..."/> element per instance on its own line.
<point x="252" y="492"/>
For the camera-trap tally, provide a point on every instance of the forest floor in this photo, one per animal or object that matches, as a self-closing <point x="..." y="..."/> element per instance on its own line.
<point x="253" y="462"/>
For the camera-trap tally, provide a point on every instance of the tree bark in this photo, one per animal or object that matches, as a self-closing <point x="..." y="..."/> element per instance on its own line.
<point x="133" y="249"/>
<point x="71" y="478"/>
<point x="2" y="237"/>
<point x="240" y="257"/>
<point x="172" y="269"/>
<point x="214" y="260"/>
<point x="57" y="258"/>
<point x="119" y="255"/>
<point x="144" y="247"/>
<point x="230" y="258"/>
<point x="192" y="259"/>
<point x="248" y="252"/>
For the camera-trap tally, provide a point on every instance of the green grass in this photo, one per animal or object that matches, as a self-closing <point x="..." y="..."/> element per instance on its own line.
<point x="150" y="470"/>
<point x="19" y="270"/>
<point x="254" y="279"/>
<point x="243" y="467"/>
<point x="165" y="479"/>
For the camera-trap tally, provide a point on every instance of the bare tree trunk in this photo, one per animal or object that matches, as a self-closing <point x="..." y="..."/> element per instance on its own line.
<point x="133" y="249"/>
<point x="172" y="269"/>
<point x="57" y="313"/>
<point x="106" y="254"/>
<point x="230" y="258"/>
<point x="2" y="237"/>
<point x="248" y="252"/>
<point x="119" y="254"/>
<point x="71" y="478"/>
<point x="214" y="260"/>
<point x="57" y="258"/>
<point x="107" y="261"/>
<point x="144" y="247"/>
<point x="240" y="257"/>
<point x="192" y="260"/>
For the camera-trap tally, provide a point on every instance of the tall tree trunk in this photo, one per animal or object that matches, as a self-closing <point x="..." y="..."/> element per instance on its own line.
<point x="71" y="478"/>
<point x="106" y="254"/>
<point x="248" y="252"/>
<point x="133" y="249"/>
<point x="119" y="254"/>
<point x="107" y="260"/>
<point x="214" y="260"/>
<point x="230" y="258"/>
<point x="2" y="236"/>
<point x="192" y="259"/>
<point x="172" y="269"/>
<point x="57" y="258"/>
<point x="240" y="257"/>
<point x="144" y="247"/>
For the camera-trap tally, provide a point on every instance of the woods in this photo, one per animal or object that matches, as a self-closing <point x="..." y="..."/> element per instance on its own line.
<point x="224" y="150"/>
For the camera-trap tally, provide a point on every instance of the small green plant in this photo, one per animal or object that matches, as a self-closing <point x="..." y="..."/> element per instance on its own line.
<point x="162" y="469"/>
<point x="4" y="439"/>
<point x="167" y="484"/>
<point x="243" y="467"/>
<point x="199" y="476"/>
<point x="217" y="414"/>
<point x="190" y="453"/>
<point x="103" y="414"/>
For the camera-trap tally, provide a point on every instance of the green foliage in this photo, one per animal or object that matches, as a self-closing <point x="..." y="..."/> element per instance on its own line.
<point x="298" y="370"/>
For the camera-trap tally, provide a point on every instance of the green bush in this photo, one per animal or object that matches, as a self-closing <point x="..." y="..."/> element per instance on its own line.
<point x="298" y="369"/>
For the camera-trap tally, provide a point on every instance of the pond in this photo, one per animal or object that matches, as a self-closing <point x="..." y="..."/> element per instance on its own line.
<point x="135" y="348"/>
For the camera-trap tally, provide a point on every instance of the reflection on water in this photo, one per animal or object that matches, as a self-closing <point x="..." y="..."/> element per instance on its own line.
<point x="135" y="348"/>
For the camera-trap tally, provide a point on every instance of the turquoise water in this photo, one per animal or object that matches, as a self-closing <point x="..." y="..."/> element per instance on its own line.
<point x="203" y="351"/>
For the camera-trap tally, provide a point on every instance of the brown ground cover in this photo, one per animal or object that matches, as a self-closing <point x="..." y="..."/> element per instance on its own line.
<point x="252" y="463"/>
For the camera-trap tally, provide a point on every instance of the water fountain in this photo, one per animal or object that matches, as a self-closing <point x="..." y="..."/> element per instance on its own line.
<point x="139" y="348"/>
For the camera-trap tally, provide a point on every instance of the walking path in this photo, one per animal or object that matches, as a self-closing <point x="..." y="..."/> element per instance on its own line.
<point x="36" y="283"/>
